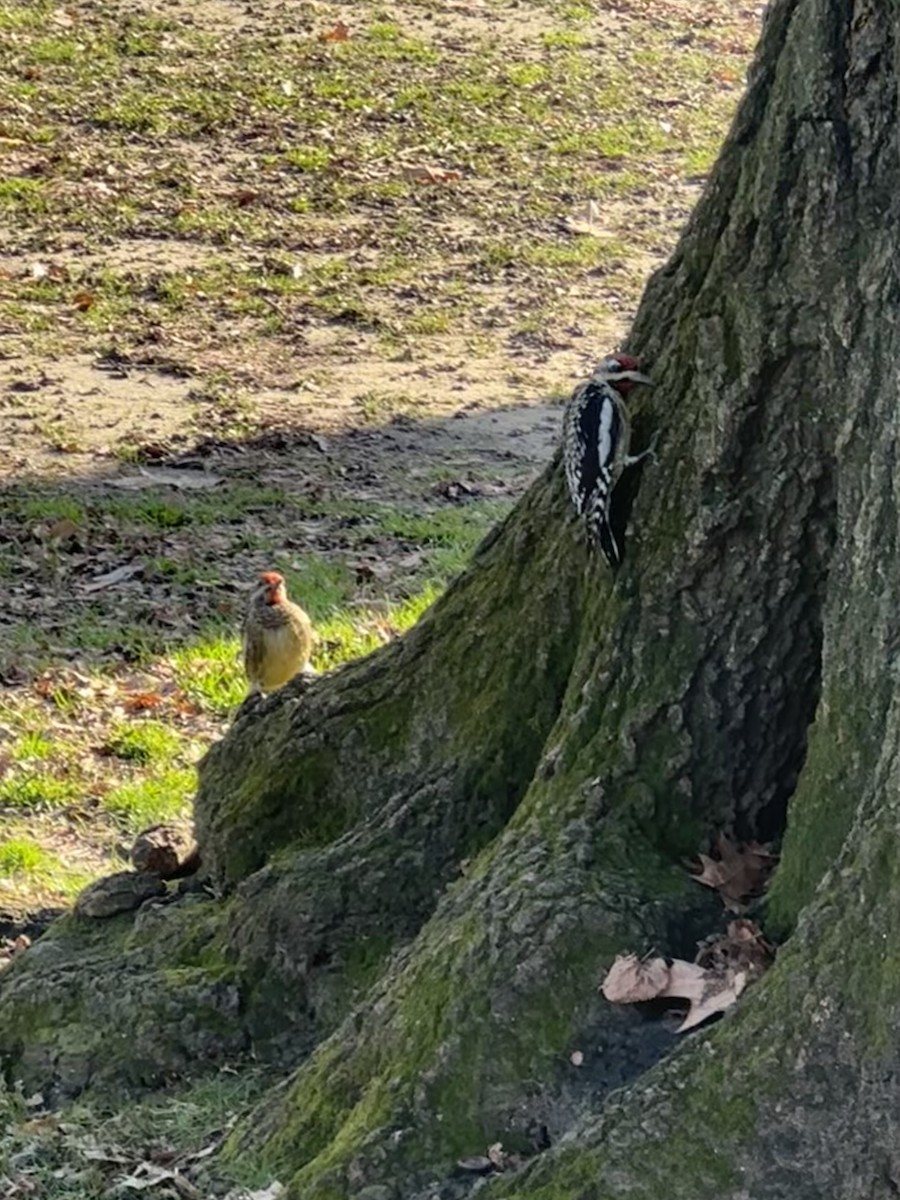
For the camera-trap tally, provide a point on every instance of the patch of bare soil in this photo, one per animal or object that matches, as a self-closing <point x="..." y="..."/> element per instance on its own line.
<point x="80" y="416"/>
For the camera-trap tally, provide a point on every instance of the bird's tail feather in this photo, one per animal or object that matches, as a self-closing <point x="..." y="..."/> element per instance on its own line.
<point x="602" y="534"/>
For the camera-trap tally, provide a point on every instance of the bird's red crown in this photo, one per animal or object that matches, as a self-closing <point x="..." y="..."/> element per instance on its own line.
<point x="273" y="582"/>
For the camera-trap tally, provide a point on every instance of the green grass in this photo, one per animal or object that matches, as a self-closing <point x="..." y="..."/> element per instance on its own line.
<point x="145" y="742"/>
<point x="309" y="158"/>
<point x="458" y="528"/>
<point x="155" y="798"/>
<point x="351" y="634"/>
<point x="23" y="856"/>
<point x="37" y="790"/>
<point x="24" y="197"/>
<point x="182" y="1120"/>
<point x="29" y="870"/>
<point x="31" y="746"/>
<point x="210" y="673"/>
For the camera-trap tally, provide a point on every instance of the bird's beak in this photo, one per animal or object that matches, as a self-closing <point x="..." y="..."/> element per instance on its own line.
<point x="637" y="377"/>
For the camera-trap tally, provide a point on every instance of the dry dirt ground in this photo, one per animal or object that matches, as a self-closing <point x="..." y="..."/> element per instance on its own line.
<point x="297" y="285"/>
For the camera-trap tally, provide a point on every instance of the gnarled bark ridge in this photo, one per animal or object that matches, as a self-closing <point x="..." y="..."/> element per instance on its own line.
<point x="427" y="859"/>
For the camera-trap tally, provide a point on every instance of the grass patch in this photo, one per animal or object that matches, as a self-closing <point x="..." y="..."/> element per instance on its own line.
<point x="32" y="747"/>
<point x="22" y="856"/>
<point x="23" y="196"/>
<point x="180" y="1121"/>
<point x="455" y="528"/>
<point x="211" y="673"/>
<point x="144" y="742"/>
<point x="38" y="790"/>
<point x="523" y="116"/>
<point x="155" y="798"/>
<point x="353" y="633"/>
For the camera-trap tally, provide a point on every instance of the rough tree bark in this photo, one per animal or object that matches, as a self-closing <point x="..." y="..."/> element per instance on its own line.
<point x="570" y="739"/>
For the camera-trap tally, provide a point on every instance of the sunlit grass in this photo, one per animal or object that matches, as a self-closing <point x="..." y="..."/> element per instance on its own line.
<point x="210" y="673"/>
<point x="143" y="742"/>
<point x="39" y="790"/>
<point x="22" y="856"/>
<point x="31" y="746"/>
<point x="350" y="634"/>
<point x="155" y="798"/>
<point x="318" y="584"/>
<point x="459" y="528"/>
<point x="31" y="874"/>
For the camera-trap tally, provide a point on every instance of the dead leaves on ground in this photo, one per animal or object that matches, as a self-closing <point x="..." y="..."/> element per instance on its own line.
<point x="158" y="1170"/>
<point x="83" y="301"/>
<point x="100" y="699"/>
<point x="339" y="32"/>
<point x="430" y="175"/>
<point x="725" y="964"/>
<point x="738" y="873"/>
<point x="110" y="578"/>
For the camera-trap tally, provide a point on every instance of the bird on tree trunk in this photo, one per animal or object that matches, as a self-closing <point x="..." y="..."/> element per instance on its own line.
<point x="277" y="635"/>
<point x="596" y="437"/>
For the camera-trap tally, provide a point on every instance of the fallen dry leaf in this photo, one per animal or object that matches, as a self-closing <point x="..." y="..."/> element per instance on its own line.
<point x="339" y="32"/>
<point x="739" y="872"/>
<point x="142" y="701"/>
<point x="83" y="301"/>
<point x="425" y="174"/>
<point x="272" y="1192"/>
<point x="179" y="478"/>
<point x="584" y="219"/>
<point x="495" y="1160"/>
<point x="52" y="271"/>
<point x="111" y="578"/>
<point x="742" y="947"/>
<point x="105" y="1154"/>
<point x="60" y="530"/>
<point x="707" y="991"/>
<point x="498" y="1155"/>
<point x="479" y="1164"/>
<point x="149" y="1175"/>
<point x="631" y="979"/>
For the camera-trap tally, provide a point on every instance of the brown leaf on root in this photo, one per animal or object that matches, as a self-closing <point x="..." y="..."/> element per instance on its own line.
<point x="742" y="947"/>
<point x="740" y="871"/>
<point x="631" y="979"/>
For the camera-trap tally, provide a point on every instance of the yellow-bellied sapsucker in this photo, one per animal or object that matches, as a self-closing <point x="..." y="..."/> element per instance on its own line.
<point x="596" y="435"/>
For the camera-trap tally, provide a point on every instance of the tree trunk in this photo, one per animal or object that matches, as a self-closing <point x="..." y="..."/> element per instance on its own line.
<point x="427" y="859"/>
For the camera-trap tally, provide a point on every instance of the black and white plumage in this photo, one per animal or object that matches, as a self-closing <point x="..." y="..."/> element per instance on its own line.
<point x="596" y="437"/>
